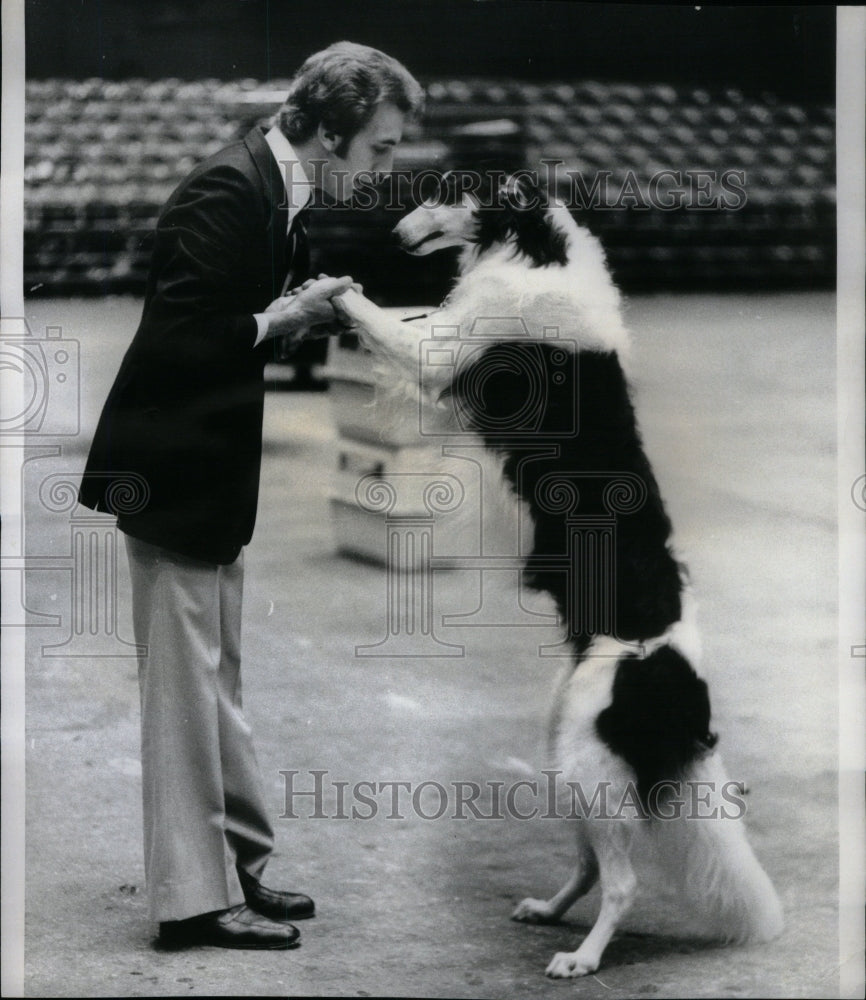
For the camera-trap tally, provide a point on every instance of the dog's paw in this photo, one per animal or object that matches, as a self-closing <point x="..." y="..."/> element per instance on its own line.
<point x="568" y="965"/>
<point x="533" y="911"/>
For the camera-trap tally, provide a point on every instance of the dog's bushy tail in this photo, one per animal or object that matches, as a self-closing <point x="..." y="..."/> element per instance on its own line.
<point x="709" y="853"/>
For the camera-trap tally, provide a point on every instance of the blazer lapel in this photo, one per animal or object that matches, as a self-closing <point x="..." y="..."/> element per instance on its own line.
<point x="277" y="210"/>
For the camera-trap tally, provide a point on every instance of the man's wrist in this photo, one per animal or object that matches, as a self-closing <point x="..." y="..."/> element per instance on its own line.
<point x="266" y="324"/>
<point x="261" y="327"/>
<point x="278" y="323"/>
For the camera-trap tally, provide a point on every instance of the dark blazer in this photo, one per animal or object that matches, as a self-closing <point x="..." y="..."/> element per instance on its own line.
<point x="184" y="416"/>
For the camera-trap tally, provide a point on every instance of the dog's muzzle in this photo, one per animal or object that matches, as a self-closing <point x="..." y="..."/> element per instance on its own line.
<point x="416" y="246"/>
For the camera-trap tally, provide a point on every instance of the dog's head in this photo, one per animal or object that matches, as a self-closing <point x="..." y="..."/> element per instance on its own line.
<point x="480" y="211"/>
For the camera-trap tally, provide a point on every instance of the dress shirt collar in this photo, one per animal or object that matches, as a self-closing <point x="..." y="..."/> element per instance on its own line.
<point x="298" y="187"/>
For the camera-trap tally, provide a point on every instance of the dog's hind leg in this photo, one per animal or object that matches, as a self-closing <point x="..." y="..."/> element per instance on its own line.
<point x="618" y="885"/>
<point x="540" y="911"/>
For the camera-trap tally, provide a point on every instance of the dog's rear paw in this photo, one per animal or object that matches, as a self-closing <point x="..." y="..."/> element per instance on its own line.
<point x="569" y="964"/>
<point x="533" y="911"/>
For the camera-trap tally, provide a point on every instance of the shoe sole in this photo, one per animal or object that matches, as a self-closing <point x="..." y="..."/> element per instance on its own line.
<point x="255" y="947"/>
<point x="282" y="918"/>
<point x="183" y="945"/>
<point x="179" y="944"/>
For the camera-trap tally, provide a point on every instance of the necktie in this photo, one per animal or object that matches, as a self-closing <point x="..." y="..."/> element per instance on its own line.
<point x="297" y="252"/>
<point x="298" y="257"/>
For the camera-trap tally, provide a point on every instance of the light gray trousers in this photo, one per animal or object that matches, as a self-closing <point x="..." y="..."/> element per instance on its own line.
<point x="204" y="804"/>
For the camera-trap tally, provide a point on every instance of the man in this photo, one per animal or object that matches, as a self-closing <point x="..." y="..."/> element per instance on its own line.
<point x="177" y="455"/>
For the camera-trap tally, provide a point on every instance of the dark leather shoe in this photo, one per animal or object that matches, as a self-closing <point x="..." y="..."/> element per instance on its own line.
<point x="274" y="904"/>
<point x="237" y="927"/>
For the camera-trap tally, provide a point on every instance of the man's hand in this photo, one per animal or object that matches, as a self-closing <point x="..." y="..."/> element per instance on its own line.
<point x="307" y="306"/>
<point x="359" y="288"/>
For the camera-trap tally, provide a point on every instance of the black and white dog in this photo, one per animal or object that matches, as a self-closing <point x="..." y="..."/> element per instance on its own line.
<point x="543" y="386"/>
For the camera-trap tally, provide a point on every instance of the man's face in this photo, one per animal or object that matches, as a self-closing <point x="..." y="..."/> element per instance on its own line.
<point x="369" y="151"/>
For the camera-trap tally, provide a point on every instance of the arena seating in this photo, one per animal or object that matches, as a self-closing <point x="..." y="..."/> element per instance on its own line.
<point x="102" y="156"/>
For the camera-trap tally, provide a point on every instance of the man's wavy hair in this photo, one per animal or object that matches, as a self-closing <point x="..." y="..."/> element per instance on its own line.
<point x="341" y="88"/>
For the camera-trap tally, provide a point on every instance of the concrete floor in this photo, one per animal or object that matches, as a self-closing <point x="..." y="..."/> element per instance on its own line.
<point x="736" y="396"/>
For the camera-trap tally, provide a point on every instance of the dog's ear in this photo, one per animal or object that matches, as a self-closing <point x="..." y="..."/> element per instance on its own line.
<point x="472" y="199"/>
<point x="457" y="187"/>
<point x="519" y="193"/>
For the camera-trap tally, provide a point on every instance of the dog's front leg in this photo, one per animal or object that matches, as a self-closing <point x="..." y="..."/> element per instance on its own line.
<point x="542" y="911"/>
<point x="398" y="343"/>
<point x="618" y="886"/>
